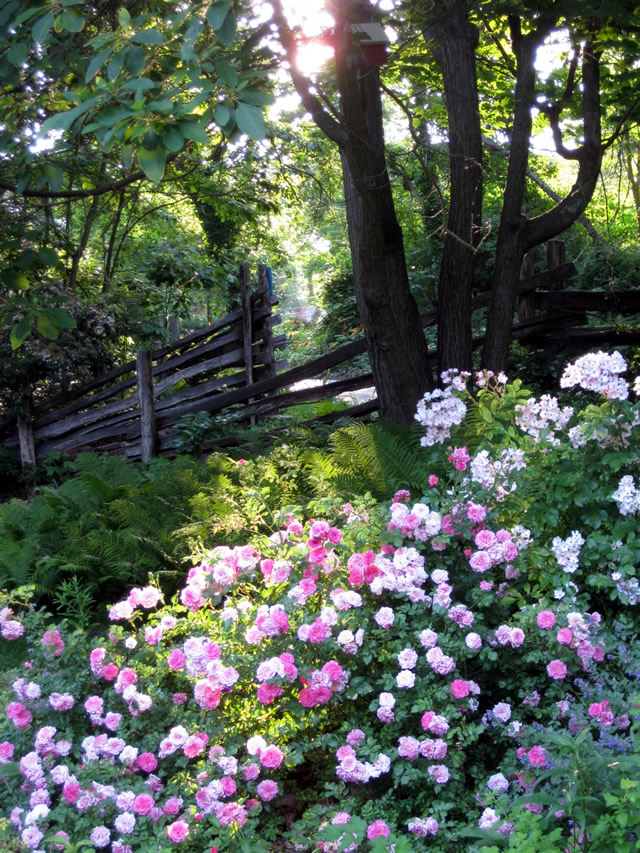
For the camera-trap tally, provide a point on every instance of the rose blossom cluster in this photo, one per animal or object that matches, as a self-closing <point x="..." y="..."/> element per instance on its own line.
<point x="350" y="769"/>
<point x="627" y="496"/>
<point x="321" y="684"/>
<point x="419" y="522"/>
<point x="600" y="372"/>
<point x="439" y="411"/>
<point x="543" y="418"/>
<point x="567" y="551"/>
<point x="10" y="629"/>
<point x="219" y="570"/>
<point x="493" y="549"/>
<point x="494" y="474"/>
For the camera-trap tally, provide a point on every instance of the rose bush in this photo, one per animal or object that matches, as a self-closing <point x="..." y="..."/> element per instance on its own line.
<point x="433" y="674"/>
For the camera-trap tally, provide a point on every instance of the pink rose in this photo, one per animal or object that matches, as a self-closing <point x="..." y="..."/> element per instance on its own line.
<point x="178" y="831"/>
<point x="459" y="688"/>
<point x="546" y="619"/>
<point x="377" y="829"/>
<point x="557" y="670"/>
<point x="143" y="804"/>
<point x="147" y="761"/>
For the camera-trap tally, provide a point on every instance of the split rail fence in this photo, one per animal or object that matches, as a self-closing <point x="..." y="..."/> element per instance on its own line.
<point x="138" y="404"/>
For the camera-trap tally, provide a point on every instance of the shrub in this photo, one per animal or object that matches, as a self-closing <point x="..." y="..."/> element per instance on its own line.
<point x="410" y="675"/>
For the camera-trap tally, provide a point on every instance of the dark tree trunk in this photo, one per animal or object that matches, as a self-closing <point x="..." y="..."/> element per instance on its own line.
<point x="395" y="340"/>
<point x="453" y="40"/>
<point x="517" y="234"/>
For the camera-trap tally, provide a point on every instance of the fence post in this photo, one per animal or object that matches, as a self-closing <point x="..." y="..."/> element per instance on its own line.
<point x="526" y="309"/>
<point x="26" y="438"/>
<point x="147" y="407"/>
<point x="264" y="289"/>
<point x="247" y="327"/>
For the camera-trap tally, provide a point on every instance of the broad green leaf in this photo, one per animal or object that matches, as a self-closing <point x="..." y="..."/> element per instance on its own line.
<point x="96" y="63"/>
<point x="59" y="317"/>
<point x="72" y="21"/>
<point x="40" y="29"/>
<point x="134" y="59"/>
<point x="124" y="18"/>
<point x="26" y="259"/>
<point x="216" y="13"/>
<point x="227" y="31"/>
<point x="258" y="99"/>
<point x="150" y="140"/>
<point x="115" y="65"/>
<point x="151" y="36"/>
<point x="227" y="73"/>
<point x="222" y="115"/>
<point x="17" y="53"/>
<point x="19" y="333"/>
<point x="46" y="328"/>
<point x="193" y="131"/>
<point x="126" y="156"/>
<point x="173" y="140"/>
<point x="15" y="280"/>
<point x="63" y="121"/>
<point x="53" y="175"/>
<point x="49" y="257"/>
<point x="152" y="162"/>
<point x="251" y="121"/>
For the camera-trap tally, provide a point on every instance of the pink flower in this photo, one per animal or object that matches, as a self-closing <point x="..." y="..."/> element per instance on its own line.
<point x="459" y="688"/>
<point x="53" y="639"/>
<point x="268" y="693"/>
<point x="143" y="804"/>
<point x="564" y="636"/>
<point x="178" y="831"/>
<point x="377" y="829"/>
<point x="557" y="669"/>
<point x="537" y="757"/>
<point x="385" y="617"/>
<point x="271" y="757"/>
<point x="433" y="480"/>
<point x="147" y="761"/>
<point x="19" y="715"/>
<point x="546" y="619"/>
<point x="267" y="790"/>
<point x="6" y="751"/>
<point x="439" y="773"/>
<point x="109" y="672"/>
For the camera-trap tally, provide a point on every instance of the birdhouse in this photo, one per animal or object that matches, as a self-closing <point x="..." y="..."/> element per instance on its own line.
<point x="373" y="40"/>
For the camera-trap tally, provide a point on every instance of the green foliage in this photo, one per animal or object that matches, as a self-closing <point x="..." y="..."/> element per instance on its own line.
<point x="106" y="527"/>
<point x="380" y="459"/>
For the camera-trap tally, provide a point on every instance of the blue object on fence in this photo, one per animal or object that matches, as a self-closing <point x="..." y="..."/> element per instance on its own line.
<point x="270" y="279"/>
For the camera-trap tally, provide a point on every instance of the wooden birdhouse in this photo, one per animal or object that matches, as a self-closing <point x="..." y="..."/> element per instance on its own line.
<point x="373" y="40"/>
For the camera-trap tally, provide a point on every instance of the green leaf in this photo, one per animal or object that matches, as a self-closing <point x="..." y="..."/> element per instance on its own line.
<point x="19" y="333"/>
<point x="26" y="259"/>
<point x="54" y="176"/>
<point x="173" y="140"/>
<point x="17" y="53"/>
<point x="72" y="21"/>
<point x="191" y="130"/>
<point x="49" y="257"/>
<point x="222" y="115"/>
<point x="96" y="63"/>
<point x="59" y="318"/>
<point x="124" y="18"/>
<point x="40" y="29"/>
<point x="251" y="121"/>
<point x="134" y="60"/>
<point x="46" y="328"/>
<point x="227" y="31"/>
<point x="152" y="162"/>
<point x="63" y="121"/>
<point x="15" y="280"/>
<point x="150" y="140"/>
<point x="258" y="99"/>
<point x="151" y="36"/>
<point x="216" y="14"/>
<point x="227" y="73"/>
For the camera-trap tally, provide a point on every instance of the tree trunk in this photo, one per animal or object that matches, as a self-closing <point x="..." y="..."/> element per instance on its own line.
<point x="395" y="340"/>
<point x="453" y="40"/>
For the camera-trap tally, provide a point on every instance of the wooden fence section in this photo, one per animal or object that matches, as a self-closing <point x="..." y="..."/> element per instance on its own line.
<point x="122" y="410"/>
<point x="133" y="409"/>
